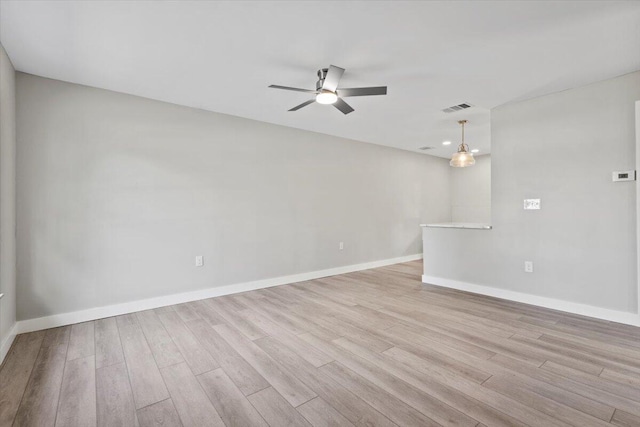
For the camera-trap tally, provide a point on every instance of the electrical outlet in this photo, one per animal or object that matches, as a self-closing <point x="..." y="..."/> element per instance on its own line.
<point x="341" y="246"/>
<point x="531" y="204"/>
<point x="199" y="261"/>
<point x="528" y="266"/>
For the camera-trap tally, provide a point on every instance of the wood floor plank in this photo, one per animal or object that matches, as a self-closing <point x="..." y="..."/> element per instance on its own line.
<point x="323" y="290"/>
<point x="621" y="376"/>
<point x="307" y="316"/>
<point x="56" y="336"/>
<point x="115" y="405"/>
<point x="239" y="370"/>
<point x="517" y="413"/>
<point x="273" y="294"/>
<point x="624" y="419"/>
<point x="40" y="401"/>
<point x="603" y="326"/>
<point x="185" y="312"/>
<point x="321" y="414"/>
<point x="250" y="330"/>
<point x="206" y="313"/>
<point x="232" y="406"/>
<point x="368" y="368"/>
<point x="345" y="402"/>
<point x="108" y="346"/>
<point x="566" y="383"/>
<point x="196" y="356"/>
<point x="231" y="302"/>
<point x="272" y="310"/>
<point x="450" y="391"/>
<point x="146" y="382"/>
<point x="414" y="356"/>
<point x="509" y="386"/>
<point x="564" y="355"/>
<point x="305" y="292"/>
<point x="471" y="325"/>
<point x="162" y="346"/>
<point x="77" y="406"/>
<point x="565" y="397"/>
<point x="191" y="402"/>
<point x="306" y="351"/>
<point x="444" y="339"/>
<point x="623" y="390"/>
<point x="563" y="330"/>
<point x="276" y="410"/>
<point x="161" y="414"/>
<point x="485" y="341"/>
<point x="15" y="373"/>
<point x="316" y="320"/>
<point x="622" y="354"/>
<point x="438" y="356"/>
<point x="390" y="406"/>
<point x="369" y="318"/>
<point x="292" y="389"/>
<point x="362" y="337"/>
<point x="129" y="319"/>
<point x="163" y="309"/>
<point x="81" y="341"/>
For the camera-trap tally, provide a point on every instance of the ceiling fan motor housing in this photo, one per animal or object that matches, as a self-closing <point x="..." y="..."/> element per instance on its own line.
<point x="322" y="73"/>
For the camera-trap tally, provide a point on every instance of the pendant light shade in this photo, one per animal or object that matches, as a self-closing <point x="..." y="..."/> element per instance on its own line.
<point x="463" y="157"/>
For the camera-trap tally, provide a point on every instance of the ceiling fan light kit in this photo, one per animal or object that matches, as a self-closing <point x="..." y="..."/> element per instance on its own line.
<point x="326" y="97"/>
<point x="328" y="93"/>
<point x="463" y="158"/>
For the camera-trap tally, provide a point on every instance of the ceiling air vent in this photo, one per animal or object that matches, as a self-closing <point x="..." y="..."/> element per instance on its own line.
<point x="456" y="108"/>
<point x="425" y="148"/>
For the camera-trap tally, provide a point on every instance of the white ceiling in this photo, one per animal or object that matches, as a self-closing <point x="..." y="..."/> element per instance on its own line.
<point x="221" y="56"/>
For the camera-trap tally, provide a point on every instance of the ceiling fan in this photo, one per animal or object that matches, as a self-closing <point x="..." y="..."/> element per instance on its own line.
<point x="327" y="91"/>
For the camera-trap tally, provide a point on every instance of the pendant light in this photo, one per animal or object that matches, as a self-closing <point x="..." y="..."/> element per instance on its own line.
<point x="463" y="157"/>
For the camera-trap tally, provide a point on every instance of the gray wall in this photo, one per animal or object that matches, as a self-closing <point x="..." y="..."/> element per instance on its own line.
<point x="117" y="195"/>
<point x="7" y="195"/>
<point x="562" y="149"/>
<point x="471" y="192"/>
<point x="638" y="192"/>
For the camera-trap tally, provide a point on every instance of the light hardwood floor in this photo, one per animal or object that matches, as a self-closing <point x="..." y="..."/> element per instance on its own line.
<point x="375" y="347"/>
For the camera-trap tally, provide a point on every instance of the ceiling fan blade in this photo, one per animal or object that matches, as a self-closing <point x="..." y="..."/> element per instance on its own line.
<point x="304" y="104"/>
<point x="332" y="78"/>
<point x="363" y="91"/>
<point x="343" y="106"/>
<point x="293" y="88"/>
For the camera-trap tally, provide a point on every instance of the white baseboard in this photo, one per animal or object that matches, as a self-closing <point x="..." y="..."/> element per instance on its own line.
<point x="556" y="304"/>
<point x="62" y="319"/>
<point x="6" y="344"/>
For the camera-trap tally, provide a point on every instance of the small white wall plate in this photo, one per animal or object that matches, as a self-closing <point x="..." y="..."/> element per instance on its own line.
<point x="531" y="204"/>
<point x="624" y="176"/>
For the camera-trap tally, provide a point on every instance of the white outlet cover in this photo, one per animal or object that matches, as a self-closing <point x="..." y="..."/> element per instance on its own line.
<point x="199" y="261"/>
<point x="531" y="204"/>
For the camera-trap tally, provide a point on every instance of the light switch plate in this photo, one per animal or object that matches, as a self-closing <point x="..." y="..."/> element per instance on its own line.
<point x="624" y="176"/>
<point x="531" y="204"/>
